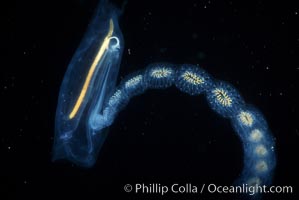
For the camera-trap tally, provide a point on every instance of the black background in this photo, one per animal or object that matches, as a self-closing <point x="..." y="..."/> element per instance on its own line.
<point x="162" y="136"/>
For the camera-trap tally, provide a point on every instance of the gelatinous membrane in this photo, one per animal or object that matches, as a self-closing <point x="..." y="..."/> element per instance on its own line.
<point x="88" y="83"/>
